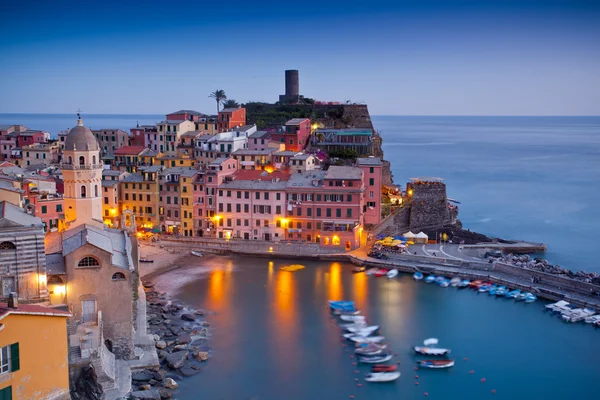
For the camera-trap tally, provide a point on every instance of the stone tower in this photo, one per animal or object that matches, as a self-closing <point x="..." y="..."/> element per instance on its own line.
<point x="428" y="203"/>
<point x="82" y="176"/>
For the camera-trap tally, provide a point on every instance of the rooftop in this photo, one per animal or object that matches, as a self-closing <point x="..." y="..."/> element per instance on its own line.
<point x="12" y="215"/>
<point x="348" y="132"/>
<point x="151" y="168"/>
<point x="248" y="152"/>
<point x="343" y="172"/>
<point x="427" y="179"/>
<point x="111" y="172"/>
<point x="191" y="112"/>
<point x="301" y="156"/>
<point x="113" y="241"/>
<point x="110" y="183"/>
<point x="172" y="122"/>
<point x="129" y="150"/>
<point x="228" y="110"/>
<point x="286" y="153"/>
<point x="296" y="121"/>
<point x="306" y="179"/>
<point x="258" y="134"/>
<point x="369" y="161"/>
<point x="255" y="179"/>
<point x="218" y="161"/>
<point x="32" y="309"/>
<point x="133" y="178"/>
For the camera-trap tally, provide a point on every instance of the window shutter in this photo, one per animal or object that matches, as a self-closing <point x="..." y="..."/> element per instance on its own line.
<point x="6" y="393"/>
<point x="14" y="357"/>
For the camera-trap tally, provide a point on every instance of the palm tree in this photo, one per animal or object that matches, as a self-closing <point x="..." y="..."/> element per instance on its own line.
<point x="219" y="95"/>
<point x="231" y="103"/>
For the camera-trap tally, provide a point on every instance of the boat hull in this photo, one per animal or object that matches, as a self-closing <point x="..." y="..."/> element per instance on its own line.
<point x="435" y="364"/>
<point x="380" y="377"/>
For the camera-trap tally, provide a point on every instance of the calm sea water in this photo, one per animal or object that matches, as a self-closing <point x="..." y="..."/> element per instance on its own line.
<point x="273" y="337"/>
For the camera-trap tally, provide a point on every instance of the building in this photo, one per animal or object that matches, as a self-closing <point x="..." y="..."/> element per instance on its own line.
<point x="111" y="140"/>
<point x="179" y="160"/>
<point x="251" y="206"/>
<point x="48" y="206"/>
<point x="326" y="207"/>
<point x="372" y="168"/>
<point x="169" y="135"/>
<point x="255" y="159"/>
<point x="177" y="204"/>
<point x="22" y="259"/>
<point x="34" y="361"/>
<point x="129" y="158"/>
<point x="10" y="191"/>
<point x="208" y="124"/>
<point x="110" y="203"/>
<point x="339" y="140"/>
<point x="31" y="136"/>
<point x="292" y="88"/>
<point x="187" y="115"/>
<point x="302" y="162"/>
<point x="139" y="193"/>
<point x="259" y="140"/>
<point x="294" y="135"/>
<point x="40" y="154"/>
<point x="212" y="147"/>
<point x="230" y="118"/>
<point x="82" y="176"/>
<point x="139" y="135"/>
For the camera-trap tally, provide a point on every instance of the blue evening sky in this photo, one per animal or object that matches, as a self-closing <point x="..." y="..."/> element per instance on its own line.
<point x="421" y="57"/>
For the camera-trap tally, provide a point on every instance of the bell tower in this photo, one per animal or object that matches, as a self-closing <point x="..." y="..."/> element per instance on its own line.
<point x="82" y="175"/>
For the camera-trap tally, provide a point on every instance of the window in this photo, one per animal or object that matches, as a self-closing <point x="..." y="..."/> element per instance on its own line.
<point x="228" y="207"/>
<point x="277" y="196"/>
<point x="44" y="209"/>
<point x="349" y="212"/>
<point x="328" y="212"/>
<point x="318" y="212"/>
<point x="266" y="195"/>
<point x="118" y="276"/>
<point x="309" y="212"/>
<point x="83" y="191"/>
<point x="88" y="262"/>
<point x="371" y="169"/>
<point x="246" y="195"/>
<point x="349" y="198"/>
<point x="318" y="197"/>
<point x="9" y="358"/>
<point x="257" y="195"/>
<point x="81" y="160"/>
<point x="105" y="200"/>
<point x="238" y="208"/>
<point x="371" y="181"/>
<point x="338" y="212"/>
<point x="229" y="193"/>
<point x="371" y="194"/>
<point x="309" y="225"/>
<point x="299" y="211"/>
<point x="277" y="209"/>
<point x="239" y="194"/>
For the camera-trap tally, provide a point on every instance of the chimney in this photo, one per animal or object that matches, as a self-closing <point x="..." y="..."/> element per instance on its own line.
<point x="13" y="300"/>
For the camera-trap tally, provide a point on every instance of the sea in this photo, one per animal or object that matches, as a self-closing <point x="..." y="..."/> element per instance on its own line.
<point x="530" y="178"/>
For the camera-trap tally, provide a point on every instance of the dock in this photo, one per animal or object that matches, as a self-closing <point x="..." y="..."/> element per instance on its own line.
<point x="516" y="247"/>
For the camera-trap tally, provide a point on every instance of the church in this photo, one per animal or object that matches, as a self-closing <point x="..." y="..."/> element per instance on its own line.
<point x="93" y="270"/>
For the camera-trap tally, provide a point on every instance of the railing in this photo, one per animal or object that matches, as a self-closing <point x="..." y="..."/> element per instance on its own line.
<point x="81" y="166"/>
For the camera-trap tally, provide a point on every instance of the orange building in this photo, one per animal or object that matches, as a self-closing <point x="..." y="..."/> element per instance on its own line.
<point x="229" y="118"/>
<point x="34" y="356"/>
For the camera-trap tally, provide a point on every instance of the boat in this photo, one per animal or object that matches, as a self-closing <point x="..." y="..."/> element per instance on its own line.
<point x="358" y="270"/>
<point x="292" y="268"/>
<point x="579" y="314"/>
<point x="428" y="348"/>
<point x="484" y="288"/>
<point x="366" y="339"/>
<point x="197" y="253"/>
<point x="383" y="368"/>
<point x="417" y="276"/>
<point x="381" y="272"/>
<point x="475" y="284"/>
<point x="464" y="284"/>
<point x="521" y="296"/>
<point x="375" y="358"/>
<point x="382" y="376"/>
<point x="340" y="304"/>
<point x="363" y="330"/>
<point x="444" y="283"/>
<point x="352" y="318"/>
<point x="146" y="260"/>
<point x="392" y="273"/>
<point x="493" y="290"/>
<point x="501" y="291"/>
<point x="592" y="319"/>
<point x="355" y="324"/>
<point x="513" y="294"/>
<point x="435" y="363"/>
<point x="371" y="271"/>
<point x="430" y="279"/>
<point x="440" y="279"/>
<point x="370" y="349"/>
<point x="343" y="312"/>
<point x="558" y="306"/>
<point x="530" y="298"/>
<point x="454" y="282"/>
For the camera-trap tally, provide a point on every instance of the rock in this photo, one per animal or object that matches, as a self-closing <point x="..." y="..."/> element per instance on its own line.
<point x="165" y="309"/>
<point x="188" y="371"/>
<point x="188" y="317"/>
<point x="199" y="312"/>
<point x="146" y="395"/>
<point x="153" y="382"/>
<point x="161" y="344"/>
<point x="176" y="360"/>
<point x="180" y="347"/>
<point x="87" y="386"/>
<point x="165" y="393"/>
<point x="145" y="387"/>
<point x="159" y="375"/>
<point x="170" y="384"/>
<point x="202" y="356"/>
<point x="142" y="376"/>
<point x="183" y="339"/>
<point x="175" y="330"/>
<point x="156" y="338"/>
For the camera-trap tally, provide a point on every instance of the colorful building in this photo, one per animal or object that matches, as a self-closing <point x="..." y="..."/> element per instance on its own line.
<point x="229" y="118"/>
<point x="40" y="154"/>
<point x="255" y="159"/>
<point x="34" y="352"/>
<point x="337" y="140"/>
<point x="169" y="135"/>
<point x="177" y="206"/>
<point x="110" y="203"/>
<point x="129" y="158"/>
<point x="372" y="168"/>
<point x="294" y="135"/>
<point x="259" y="140"/>
<point x="139" y="134"/>
<point x="139" y="193"/>
<point x="187" y="115"/>
<point x="207" y="124"/>
<point x="111" y="140"/>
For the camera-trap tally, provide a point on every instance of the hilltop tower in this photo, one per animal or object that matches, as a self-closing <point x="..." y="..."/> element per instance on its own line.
<point x="82" y="175"/>
<point x="292" y="87"/>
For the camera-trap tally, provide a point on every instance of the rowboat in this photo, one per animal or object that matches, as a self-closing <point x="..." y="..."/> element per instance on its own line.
<point x="370" y="349"/>
<point x="592" y="319"/>
<point x="530" y="298"/>
<point x="444" y="283"/>
<point x="355" y="324"/>
<point x="464" y="283"/>
<point x="381" y="272"/>
<point x="558" y="306"/>
<point x="352" y="317"/>
<point x="428" y="348"/>
<point x="435" y="363"/>
<point x="366" y="339"/>
<point x="484" y="288"/>
<point x="392" y="273"/>
<point x="357" y="270"/>
<point x="342" y="312"/>
<point x="513" y="294"/>
<point x="382" y="376"/>
<point x="341" y="305"/>
<point x="146" y="260"/>
<point x="371" y="271"/>
<point x="197" y="253"/>
<point x="578" y="314"/>
<point x="383" y="368"/>
<point x="292" y="268"/>
<point x="363" y="330"/>
<point x="454" y="282"/>
<point x="376" y="358"/>
<point x="430" y="279"/>
<point x="521" y="296"/>
<point x="475" y="284"/>
<point x="440" y="279"/>
<point x="417" y="276"/>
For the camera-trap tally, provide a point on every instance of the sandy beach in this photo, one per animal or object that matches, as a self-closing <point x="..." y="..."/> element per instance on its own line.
<point x="164" y="260"/>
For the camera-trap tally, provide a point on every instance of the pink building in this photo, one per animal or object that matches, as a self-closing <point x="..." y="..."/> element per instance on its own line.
<point x="251" y="206"/>
<point x="205" y="194"/>
<point x="139" y="135"/>
<point x="325" y="207"/>
<point x="372" y="168"/>
<point x="31" y="136"/>
<point x="189" y="115"/>
<point x="294" y="135"/>
<point x="48" y="207"/>
<point x="259" y="140"/>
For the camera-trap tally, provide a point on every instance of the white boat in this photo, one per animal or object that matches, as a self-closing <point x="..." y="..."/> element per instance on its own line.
<point x="558" y="306"/>
<point x="375" y="359"/>
<point x="366" y="339"/>
<point x="363" y="330"/>
<point x="352" y="317"/>
<point x="371" y="271"/>
<point x="417" y="276"/>
<point x="445" y="283"/>
<point x="392" y="273"/>
<point x="342" y="312"/>
<point x="454" y="282"/>
<point x="370" y="349"/>
<point x="197" y="253"/>
<point x="382" y="376"/>
<point x="530" y="298"/>
<point x="592" y="319"/>
<point x="355" y="324"/>
<point x="578" y="314"/>
<point x="429" y="349"/>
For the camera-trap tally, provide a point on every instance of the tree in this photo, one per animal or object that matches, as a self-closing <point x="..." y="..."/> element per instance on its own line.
<point x="231" y="103"/>
<point x="219" y="95"/>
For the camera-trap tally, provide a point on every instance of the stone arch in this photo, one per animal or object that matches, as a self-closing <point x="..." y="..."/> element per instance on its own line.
<point x="55" y="280"/>
<point x="118" y="276"/>
<point x="88" y="261"/>
<point x="95" y="190"/>
<point x="7" y="246"/>
<point x="81" y="160"/>
<point x="83" y="191"/>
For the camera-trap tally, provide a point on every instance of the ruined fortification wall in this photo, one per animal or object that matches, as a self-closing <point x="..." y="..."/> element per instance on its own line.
<point x="428" y="204"/>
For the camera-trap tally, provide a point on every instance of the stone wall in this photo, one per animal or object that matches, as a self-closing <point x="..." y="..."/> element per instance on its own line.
<point x="428" y="204"/>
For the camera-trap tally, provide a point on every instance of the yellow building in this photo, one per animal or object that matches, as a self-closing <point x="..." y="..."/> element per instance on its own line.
<point x="110" y="203"/>
<point x="186" y="190"/>
<point x="139" y="193"/>
<point x="34" y="355"/>
<point x="181" y="160"/>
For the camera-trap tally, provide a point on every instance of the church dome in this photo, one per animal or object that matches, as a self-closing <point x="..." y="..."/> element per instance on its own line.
<point x="81" y="138"/>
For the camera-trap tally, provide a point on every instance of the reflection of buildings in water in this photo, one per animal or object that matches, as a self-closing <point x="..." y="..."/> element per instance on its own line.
<point x="270" y="274"/>
<point x="361" y="291"/>
<point x="334" y="282"/>
<point x="397" y="298"/>
<point x="220" y="287"/>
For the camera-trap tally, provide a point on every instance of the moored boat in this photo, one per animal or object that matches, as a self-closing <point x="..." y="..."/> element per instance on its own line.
<point x="530" y="298"/>
<point x="375" y="358"/>
<point x="292" y="268"/>
<point x="343" y="312"/>
<point x="392" y="273"/>
<point x="435" y="363"/>
<point x="558" y="306"/>
<point x="513" y="294"/>
<point x="363" y="330"/>
<point x="417" y="276"/>
<point x="521" y="296"/>
<point x="454" y="282"/>
<point x="578" y="314"/>
<point x="371" y="271"/>
<point x="592" y="319"/>
<point x="358" y="270"/>
<point x="352" y="317"/>
<point x="197" y="253"/>
<point x="484" y="288"/>
<point x="341" y="305"/>
<point x="440" y="279"/>
<point x="383" y="368"/>
<point x="366" y="339"/>
<point x="475" y="284"/>
<point x="370" y="349"/>
<point x="429" y="349"/>
<point x="382" y="376"/>
<point x="464" y="284"/>
<point x="381" y="272"/>
<point x="355" y="324"/>
<point x="501" y="291"/>
<point x="430" y="279"/>
<point x="444" y="283"/>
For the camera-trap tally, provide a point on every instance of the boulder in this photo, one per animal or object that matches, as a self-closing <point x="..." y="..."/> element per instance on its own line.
<point x="188" y="317"/>
<point x="142" y="376"/>
<point x="165" y="393"/>
<point x="170" y="384"/>
<point x="161" y="344"/>
<point x="202" y="356"/>
<point x="159" y="375"/>
<point x="188" y="371"/>
<point x="146" y="395"/>
<point x="147" y="386"/>
<point x="199" y="312"/>
<point x="180" y="347"/>
<point x="153" y="382"/>
<point x="184" y="338"/>
<point x="175" y="330"/>
<point x="176" y="360"/>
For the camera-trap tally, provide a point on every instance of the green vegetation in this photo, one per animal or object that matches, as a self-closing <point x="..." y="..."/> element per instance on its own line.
<point x="345" y="154"/>
<point x="219" y="95"/>
<point x="230" y="103"/>
<point x="266" y="115"/>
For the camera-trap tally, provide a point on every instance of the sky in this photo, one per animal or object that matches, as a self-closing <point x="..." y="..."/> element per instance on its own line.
<point x="421" y="57"/>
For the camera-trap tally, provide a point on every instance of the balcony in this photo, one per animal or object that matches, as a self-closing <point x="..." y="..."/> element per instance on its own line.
<point x="81" y="166"/>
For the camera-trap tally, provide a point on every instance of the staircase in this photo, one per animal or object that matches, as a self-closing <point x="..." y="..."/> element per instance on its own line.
<point x="74" y="351"/>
